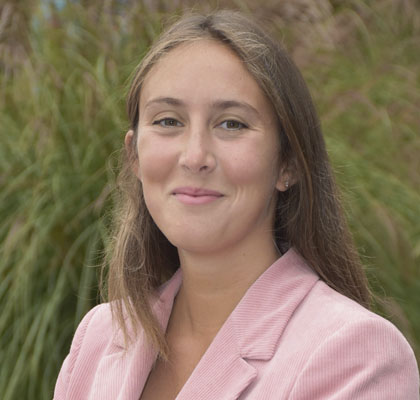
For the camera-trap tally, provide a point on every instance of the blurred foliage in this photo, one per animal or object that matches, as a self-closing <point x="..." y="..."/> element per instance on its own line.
<point x="65" y="66"/>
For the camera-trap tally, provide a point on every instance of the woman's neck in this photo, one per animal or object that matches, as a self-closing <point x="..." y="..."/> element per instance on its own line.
<point x="213" y="285"/>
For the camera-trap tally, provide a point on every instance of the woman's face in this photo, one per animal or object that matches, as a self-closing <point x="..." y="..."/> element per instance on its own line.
<point x="207" y="150"/>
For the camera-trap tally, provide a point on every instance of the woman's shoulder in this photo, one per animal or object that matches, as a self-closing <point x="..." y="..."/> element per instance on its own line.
<point x="90" y="341"/>
<point x="97" y="320"/>
<point x="328" y="312"/>
<point x="94" y="331"/>
<point x="336" y="310"/>
<point x="343" y="340"/>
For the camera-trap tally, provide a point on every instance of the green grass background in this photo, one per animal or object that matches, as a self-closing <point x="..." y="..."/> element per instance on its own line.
<point x="64" y="70"/>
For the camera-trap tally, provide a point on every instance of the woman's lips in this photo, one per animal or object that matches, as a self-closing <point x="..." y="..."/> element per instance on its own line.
<point x="191" y="195"/>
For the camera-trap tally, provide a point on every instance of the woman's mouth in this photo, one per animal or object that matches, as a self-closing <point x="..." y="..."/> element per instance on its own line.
<point x="191" y="195"/>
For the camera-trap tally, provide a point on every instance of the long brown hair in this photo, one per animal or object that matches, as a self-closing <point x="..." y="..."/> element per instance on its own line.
<point x="308" y="215"/>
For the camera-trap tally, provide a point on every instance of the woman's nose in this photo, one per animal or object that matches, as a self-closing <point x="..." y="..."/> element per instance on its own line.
<point x="197" y="153"/>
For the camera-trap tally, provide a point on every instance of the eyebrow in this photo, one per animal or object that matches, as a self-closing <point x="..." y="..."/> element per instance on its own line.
<point x="165" y="100"/>
<point x="218" y="104"/>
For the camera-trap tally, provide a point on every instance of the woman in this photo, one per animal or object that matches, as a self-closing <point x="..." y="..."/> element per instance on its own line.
<point x="229" y="193"/>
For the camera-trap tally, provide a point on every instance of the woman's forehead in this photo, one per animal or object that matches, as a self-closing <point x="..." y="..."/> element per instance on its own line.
<point x="203" y="71"/>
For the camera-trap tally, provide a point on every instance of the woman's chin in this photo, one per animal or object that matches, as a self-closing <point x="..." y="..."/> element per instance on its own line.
<point x="199" y="243"/>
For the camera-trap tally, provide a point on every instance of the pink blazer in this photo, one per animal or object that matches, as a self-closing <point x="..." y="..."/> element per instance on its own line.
<point x="291" y="337"/>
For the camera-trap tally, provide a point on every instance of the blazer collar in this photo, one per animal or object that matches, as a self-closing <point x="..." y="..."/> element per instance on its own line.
<point x="251" y="332"/>
<point x="263" y="313"/>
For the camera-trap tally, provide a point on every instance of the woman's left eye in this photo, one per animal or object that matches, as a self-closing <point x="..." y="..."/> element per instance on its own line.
<point x="167" y="122"/>
<point x="232" y="125"/>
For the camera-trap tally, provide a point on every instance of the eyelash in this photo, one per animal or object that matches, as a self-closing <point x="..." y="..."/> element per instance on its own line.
<point x="162" y="121"/>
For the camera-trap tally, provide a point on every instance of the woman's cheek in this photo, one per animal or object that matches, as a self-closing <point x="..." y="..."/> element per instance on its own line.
<point x="247" y="166"/>
<point x="156" y="159"/>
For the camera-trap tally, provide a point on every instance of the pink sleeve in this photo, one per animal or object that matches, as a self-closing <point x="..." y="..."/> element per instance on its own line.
<point x="364" y="360"/>
<point x="61" y="386"/>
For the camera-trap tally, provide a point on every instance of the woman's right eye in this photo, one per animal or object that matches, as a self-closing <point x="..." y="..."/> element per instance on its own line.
<point x="167" y="122"/>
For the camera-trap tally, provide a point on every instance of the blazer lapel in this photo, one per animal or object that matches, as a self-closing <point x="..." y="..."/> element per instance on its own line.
<point x="221" y="373"/>
<point x="264" y="312"/>
<point x="122" y="373"/>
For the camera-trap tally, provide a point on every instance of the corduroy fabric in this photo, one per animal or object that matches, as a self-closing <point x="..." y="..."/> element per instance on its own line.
<point x="290" y="337"/>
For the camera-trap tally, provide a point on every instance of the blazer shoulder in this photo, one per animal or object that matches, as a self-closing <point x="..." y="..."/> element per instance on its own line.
<point x="340" y="315"/>
<point x="90" y="340"/>
<point x="97" y="323"/>
<point x="353" y="350"/>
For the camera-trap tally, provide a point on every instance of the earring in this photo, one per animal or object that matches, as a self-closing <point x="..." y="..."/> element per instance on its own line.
<point x="286" y="184"/>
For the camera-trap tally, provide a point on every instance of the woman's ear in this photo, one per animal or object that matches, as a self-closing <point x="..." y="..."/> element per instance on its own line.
<point x="283" y="183"/>
<point x="287" y="178"/>
<point x="130" y="148"/>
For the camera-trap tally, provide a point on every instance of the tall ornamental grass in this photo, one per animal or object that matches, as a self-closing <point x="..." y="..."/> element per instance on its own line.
<point x="64" y="70"/>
